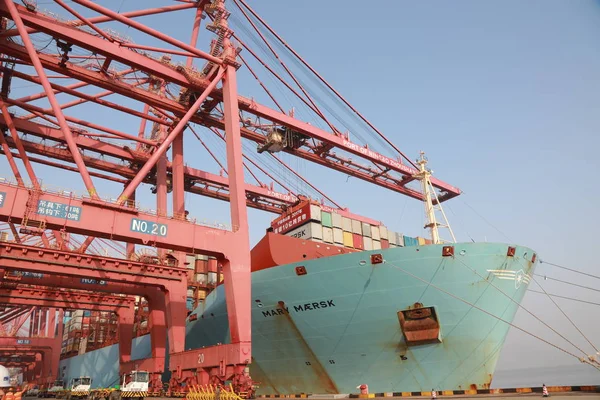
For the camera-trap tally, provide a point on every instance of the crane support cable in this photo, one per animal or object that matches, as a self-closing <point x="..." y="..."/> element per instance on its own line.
<point x="566" y="297"/>
<point x="222" y="137"/>
<point x="261" y="83"/>
<point x="325" y="82"/>
<point x="522" y="307"/>
<point x="275" y="74"/>
<point x="319" y="112"/>
<point x="208" y="150"/>
<point x="305" y="180"/>
<point x="487" y="312"/>
<point x="570" y="269"/>
<point x="567" y="282"/>
<point x="565" y="314"/>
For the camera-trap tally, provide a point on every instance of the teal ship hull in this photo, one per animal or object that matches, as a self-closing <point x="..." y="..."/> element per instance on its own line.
<point x="337" y="326"/>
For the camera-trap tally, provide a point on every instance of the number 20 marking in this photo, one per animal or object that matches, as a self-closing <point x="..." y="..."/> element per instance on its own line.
<point x="200" y="358"/>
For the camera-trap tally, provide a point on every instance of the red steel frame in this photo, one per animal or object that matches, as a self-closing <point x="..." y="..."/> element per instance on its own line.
<point x="164" y="285"/>
<point x="47" y="344"/>
<point x="69" y="299"/>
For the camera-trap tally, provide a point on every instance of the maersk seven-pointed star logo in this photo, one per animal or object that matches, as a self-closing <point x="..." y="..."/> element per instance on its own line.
<point x="518" y="276"/>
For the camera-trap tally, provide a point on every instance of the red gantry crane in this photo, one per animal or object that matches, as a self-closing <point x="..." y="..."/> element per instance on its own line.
<point x="176" y="91"/>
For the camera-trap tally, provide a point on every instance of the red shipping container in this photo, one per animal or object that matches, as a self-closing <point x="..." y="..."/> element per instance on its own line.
<point x="357" y="241"/>
<point x="385" y="244"/>
<point x="212" y="265"/>
<point x="201" y="266"/>
<point x="190" y="275"/>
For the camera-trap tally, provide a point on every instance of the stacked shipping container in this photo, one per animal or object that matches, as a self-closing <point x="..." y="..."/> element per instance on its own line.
<point x="96" y="329"/>
<point x="317" y="223"/>
<point x="309" y="220"/>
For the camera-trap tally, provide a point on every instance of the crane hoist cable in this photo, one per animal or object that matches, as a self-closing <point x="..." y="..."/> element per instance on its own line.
<point x="324" y="81"/>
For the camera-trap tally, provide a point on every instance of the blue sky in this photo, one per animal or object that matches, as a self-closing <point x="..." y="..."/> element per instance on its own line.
<point x="502" y="96"/>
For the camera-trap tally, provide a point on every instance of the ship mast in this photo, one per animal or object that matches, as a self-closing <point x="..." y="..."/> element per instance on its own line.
<point x="432" y="203"/>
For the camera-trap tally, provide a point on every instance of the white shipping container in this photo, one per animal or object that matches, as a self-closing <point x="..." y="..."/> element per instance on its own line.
<point x="315" y="212"/>
<point x="327" y="235"/>
<point x="336" y="220"/>
<point x="366" y="229"/>
<point x="190" y="293"/>
<point x="356" y="227"/>
<point x="376" y="245"/>
<point x="400" y="239"/>
<point x="212" y="278"/>
<point x="392" y="245"/>
<point x="392" y="237"/>
<point x="201" y="278"/>
<point x="347" y="224"/>
<point x="311" y="230"/>
<point x="367" y="243"/>
<point x="338" y="236"/>
<point x="383" y="232"/>
<point x="190" y="259"/>
<point x="201" y="257"/>
<point x="375" y="233"/>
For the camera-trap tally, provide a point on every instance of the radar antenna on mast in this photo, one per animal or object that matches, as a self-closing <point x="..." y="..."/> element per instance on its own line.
<point x="432" y="203"/>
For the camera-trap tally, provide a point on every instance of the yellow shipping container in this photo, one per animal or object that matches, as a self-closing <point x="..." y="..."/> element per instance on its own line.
<point x="348" y="242"/>
<point x="421" y="241"/>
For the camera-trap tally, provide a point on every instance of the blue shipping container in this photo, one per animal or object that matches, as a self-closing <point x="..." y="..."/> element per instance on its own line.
<point x="410" y="241"/>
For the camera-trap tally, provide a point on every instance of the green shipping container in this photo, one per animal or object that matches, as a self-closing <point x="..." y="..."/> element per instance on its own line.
<point x="326" y="219"/>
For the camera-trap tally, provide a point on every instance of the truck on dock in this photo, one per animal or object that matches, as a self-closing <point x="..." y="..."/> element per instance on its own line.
<point x="134" y="385"/>
<point x="56" y="390"/>
<point x="79" y="388"/>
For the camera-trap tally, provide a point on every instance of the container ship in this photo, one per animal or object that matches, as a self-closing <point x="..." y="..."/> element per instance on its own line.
<point x="340" y="301"/>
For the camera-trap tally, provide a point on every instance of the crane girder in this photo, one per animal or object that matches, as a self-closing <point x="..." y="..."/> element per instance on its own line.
<point x="380" y="175"/>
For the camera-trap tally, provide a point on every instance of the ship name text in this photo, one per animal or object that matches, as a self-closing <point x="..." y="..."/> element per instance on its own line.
<point x="317" y="305"/>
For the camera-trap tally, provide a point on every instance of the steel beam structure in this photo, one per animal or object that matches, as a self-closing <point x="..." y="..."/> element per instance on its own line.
<point x="48" y="346"/>
<point x="156" y="302"/>
<point x="332" y="140"/>
<point x="202" y="182"/>
<point x="207" y="96"/>
<point x="112" y="221"/>
<point x="31" y="363"/>
<point x="171" y="281"/>
<point x="68" y="299"/>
